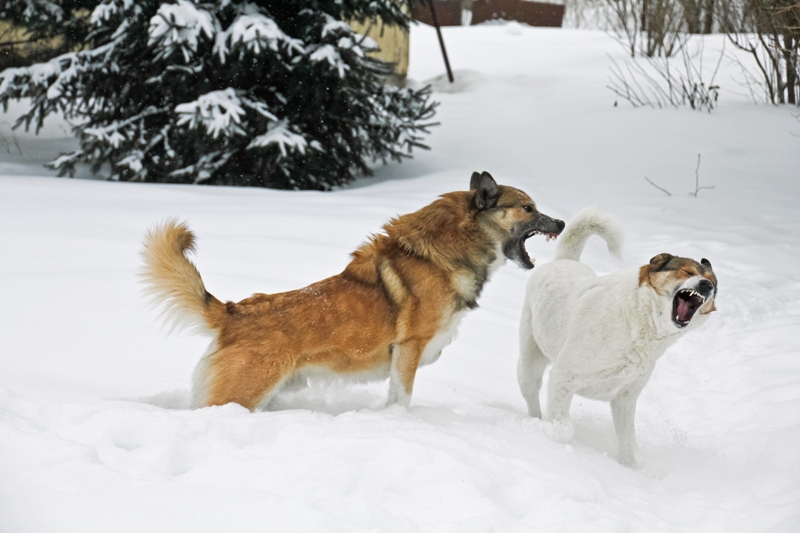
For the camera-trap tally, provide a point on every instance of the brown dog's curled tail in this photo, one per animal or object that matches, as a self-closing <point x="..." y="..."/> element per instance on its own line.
<point x="173" y="283"/>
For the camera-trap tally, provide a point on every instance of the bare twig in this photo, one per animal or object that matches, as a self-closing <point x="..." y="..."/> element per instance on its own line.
<point x="665" y="191"/>
<point x="22" y="41"/>
<point x="697" y="187"/>
<point x="4" y="142"/>
<point x="16" y="143"/>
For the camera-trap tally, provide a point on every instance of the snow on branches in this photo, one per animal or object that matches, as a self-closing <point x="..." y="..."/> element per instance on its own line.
<point x="280" y="136"/>
<point x="180" y="26"/>
<point x="220" y="112"/>
<point x="255" y="33"/>
<point x="33" y="9"/>
<point x="277" y="93"/>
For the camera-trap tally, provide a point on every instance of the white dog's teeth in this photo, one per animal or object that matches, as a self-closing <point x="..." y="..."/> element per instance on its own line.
<point x="695" y="293"/>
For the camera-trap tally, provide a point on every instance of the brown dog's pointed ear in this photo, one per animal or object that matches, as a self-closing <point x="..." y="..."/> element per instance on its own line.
<point x="660" y="261"/>
<point x="474" y="180"/>
<point x="487" y="192"/>
<point x="706" y="263"/>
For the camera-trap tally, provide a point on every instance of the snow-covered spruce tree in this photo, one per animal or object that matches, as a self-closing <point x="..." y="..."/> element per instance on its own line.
<point x="274" y="93"/>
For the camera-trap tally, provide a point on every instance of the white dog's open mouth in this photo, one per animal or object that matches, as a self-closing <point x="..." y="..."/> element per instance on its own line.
<point x="684" y="305"/>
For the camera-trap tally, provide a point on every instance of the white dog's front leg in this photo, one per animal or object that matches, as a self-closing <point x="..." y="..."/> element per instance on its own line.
<point x="623" y="411"/>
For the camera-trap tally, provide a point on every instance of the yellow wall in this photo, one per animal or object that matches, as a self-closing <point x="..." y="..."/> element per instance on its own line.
<point x="10" y="33"/>
<point x="392" y="40"/>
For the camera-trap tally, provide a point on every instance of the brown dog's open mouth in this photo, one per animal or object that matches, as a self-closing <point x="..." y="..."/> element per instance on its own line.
<point x="684" y="305"/>
<point x="522" y="254"/>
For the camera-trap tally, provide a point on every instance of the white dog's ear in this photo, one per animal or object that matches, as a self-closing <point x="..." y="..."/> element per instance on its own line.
<point x="706" y="263"/>
<point x="660" y="261"/>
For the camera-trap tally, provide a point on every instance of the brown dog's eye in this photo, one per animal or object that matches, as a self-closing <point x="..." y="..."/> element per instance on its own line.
<point x="528" y="208"/>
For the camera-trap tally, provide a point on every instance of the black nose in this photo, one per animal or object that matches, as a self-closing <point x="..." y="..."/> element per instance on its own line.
<point x="705" y="286"/>
<point x="560" y="224"/>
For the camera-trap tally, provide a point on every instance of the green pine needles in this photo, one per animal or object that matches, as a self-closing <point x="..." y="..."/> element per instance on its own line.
<point x="273" y="93"/>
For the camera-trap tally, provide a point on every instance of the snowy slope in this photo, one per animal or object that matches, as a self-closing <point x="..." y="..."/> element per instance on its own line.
<point x="95" y="436"/>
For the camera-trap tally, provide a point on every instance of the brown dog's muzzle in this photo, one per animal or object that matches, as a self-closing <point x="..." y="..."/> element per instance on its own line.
<point x="514" y="248"/>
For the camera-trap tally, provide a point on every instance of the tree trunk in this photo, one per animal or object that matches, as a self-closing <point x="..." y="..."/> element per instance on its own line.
<point x="644" y="15"/>
<point x="692" y="10"/>
<point x="791" y="68"/>
<point x="708" y="23"/>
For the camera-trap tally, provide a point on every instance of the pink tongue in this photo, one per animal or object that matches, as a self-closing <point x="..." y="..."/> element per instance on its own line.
<point x="683" y="309"/>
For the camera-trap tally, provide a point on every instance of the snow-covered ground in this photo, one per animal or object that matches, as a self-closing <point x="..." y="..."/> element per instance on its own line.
<point x="95" y="435"/>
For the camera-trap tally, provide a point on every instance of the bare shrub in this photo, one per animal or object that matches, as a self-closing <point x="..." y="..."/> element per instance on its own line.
<point x="769" y="31"/>
<point x="645" y="27"/>
<point x="663" y="81"/>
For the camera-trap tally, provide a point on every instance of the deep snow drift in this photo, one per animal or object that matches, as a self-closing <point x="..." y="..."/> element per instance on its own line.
<point x="95" y="436"/>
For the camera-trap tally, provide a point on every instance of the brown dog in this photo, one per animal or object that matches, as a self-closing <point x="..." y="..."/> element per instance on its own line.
<point x="392" y="309"/>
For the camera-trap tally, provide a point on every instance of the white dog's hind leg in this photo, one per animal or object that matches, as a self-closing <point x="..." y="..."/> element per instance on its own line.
<point x="531" y="365"/>
<point x="560" y="390"/>
<point x="561" y="387"/>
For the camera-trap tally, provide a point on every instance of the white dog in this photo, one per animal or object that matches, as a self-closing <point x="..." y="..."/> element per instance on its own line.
<point x="603" y="335"/>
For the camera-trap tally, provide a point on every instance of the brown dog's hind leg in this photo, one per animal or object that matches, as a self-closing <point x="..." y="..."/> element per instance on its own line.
<point x="243" y="375"/>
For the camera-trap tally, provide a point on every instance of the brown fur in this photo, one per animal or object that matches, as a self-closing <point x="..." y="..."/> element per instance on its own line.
<point x="400" y="289"/>
<point x="666" y="271"/>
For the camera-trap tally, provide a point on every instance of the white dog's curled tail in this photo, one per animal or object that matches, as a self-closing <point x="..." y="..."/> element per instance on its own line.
<point x="590" y="221"/>
<point x="173" y="283"/>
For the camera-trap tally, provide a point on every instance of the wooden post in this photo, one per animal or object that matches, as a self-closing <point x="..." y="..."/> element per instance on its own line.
<point x="441" y="41"/>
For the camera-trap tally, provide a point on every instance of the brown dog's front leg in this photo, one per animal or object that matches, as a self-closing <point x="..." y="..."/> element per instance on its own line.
<point x="405" y="360"/>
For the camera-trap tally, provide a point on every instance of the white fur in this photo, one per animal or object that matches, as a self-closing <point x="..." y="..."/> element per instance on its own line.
<point x="264" y="401"/>
<point x="397" y="391"/>
<point x="324" y="375"/>
<point x="603" y="335"/>
<point x="446" y="334"/>
<point x="499" y="260"/>
<point x="200" y="377"/>
<point x="589" y="221"/>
